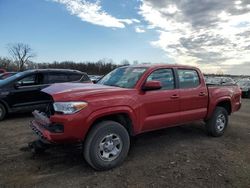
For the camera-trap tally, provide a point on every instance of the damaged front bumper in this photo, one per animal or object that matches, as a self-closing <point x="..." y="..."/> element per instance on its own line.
<point x="57" y="128"/>
<point x="46" y="130"/>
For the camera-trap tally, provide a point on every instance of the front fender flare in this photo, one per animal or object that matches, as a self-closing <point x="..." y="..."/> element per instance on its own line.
<point x="112" y="111"/>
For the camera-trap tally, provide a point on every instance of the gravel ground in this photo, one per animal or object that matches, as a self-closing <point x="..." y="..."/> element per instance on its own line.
<point x="176" y="157"/>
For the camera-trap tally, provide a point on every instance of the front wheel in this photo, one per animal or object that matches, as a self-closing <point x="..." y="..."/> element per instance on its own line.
<point x="106" y="145"/>
<point x="217" y="124"/>
<point x="2" y="112"/>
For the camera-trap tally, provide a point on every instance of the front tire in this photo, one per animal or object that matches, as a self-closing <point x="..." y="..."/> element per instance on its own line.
<point x="107" y="145"/>
<point x="217" y="124"/>
<point x="2" y="112"/>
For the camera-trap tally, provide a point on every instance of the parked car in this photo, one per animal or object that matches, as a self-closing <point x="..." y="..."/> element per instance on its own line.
<point x="219" y="80"/>
<point x="22" y="91"/>
<point x="126" y="102"/>
<point x="244" y="84"/>
<point x="6" y="75"/>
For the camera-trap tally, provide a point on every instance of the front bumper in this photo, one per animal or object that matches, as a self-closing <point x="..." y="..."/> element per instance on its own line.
<point x="44" y="129"/>
<point x="40" y="132"/>
<point x="58" y="128"/>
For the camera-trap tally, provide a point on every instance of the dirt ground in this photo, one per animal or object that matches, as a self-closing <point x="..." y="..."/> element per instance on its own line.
<point x="176" y="157"/>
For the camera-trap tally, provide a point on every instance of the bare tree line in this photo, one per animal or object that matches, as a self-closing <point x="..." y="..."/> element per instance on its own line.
<point x="22" y="54"/>
<point x="100" y="67"/>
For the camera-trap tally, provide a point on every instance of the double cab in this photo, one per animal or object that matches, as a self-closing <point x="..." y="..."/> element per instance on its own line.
<point x="129" y="101"/>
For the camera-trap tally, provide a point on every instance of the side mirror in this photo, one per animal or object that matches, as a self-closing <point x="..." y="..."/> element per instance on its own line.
<point x="152" y="85"/>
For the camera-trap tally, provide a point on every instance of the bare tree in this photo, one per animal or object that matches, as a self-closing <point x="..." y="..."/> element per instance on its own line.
<point x="21" y="53"/>
<point x="4" y="63"/>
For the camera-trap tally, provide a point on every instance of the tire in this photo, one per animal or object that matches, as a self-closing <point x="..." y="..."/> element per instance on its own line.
<point x="242" y="95"/>
<point x="248" y="94"/>
<point x="2" y="112"/>
<point x="217" y="124"/>
<point x="106" y="145"/>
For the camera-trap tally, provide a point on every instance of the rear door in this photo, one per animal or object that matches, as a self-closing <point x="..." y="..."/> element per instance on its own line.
<point x="193" y="95"/>
<point x="160" y="108"/>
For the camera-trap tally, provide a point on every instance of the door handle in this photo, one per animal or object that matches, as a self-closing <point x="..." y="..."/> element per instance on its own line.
<point x="202" y="94"/>
<point x="175" y="96"/>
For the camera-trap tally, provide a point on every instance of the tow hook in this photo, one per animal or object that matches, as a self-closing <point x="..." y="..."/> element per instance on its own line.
<point x="37" y="147"/>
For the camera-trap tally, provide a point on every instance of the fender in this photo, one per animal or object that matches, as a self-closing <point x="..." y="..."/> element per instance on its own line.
<point x="112" y="111"/>
<point x="213" y="104"/>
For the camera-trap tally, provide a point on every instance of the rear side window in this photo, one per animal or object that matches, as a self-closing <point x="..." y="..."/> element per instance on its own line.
<point x="165" y="76"/>
<point x="188" y="78"/>
<point x="85" y="78"/>
<point x="74" y="77"/>
<point x="56" y="78"/>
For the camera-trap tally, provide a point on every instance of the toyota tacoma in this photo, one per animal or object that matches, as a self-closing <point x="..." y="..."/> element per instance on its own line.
<point x="129" y="101"/>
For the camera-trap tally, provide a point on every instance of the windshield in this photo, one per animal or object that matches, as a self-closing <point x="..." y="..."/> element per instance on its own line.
<point x="125" y="77"/>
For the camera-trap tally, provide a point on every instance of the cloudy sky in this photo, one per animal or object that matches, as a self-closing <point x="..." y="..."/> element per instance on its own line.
<point x="211" y="34"/>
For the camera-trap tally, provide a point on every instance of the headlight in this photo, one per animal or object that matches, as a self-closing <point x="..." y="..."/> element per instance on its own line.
<point x="69" y="107"/>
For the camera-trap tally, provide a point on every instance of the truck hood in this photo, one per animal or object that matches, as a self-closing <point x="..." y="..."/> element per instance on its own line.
<point x="78" y="91"/>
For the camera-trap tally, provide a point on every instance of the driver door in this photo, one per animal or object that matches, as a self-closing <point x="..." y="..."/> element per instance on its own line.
<point x="160" y="108"/>
<point x="26" y="91"/>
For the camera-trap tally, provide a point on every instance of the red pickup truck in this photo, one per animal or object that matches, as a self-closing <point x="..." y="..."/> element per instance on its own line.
<point x="128" y="101"/>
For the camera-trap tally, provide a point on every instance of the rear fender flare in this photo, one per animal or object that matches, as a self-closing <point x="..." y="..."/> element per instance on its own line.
<point x="215" y="103"/>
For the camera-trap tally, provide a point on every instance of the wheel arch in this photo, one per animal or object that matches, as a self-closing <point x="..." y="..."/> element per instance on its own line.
<point x="225" y="104"/>
<point x="124" y="116"/>
<point x="5" y="105"/>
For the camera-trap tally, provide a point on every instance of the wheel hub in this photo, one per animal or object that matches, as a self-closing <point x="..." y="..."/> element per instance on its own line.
<point x="220" y="122"/>
<point x="110" y="147"/>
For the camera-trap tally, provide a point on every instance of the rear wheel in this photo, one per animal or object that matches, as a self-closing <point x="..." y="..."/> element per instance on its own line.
<point x="106" y="145"/>
<point x="2" y="112"/>
<point x="217" y="124"/>
<point x="248" y="94"/>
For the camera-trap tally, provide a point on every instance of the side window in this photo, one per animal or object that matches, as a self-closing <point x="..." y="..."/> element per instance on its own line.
<point x="74" y="77"/>
<point x="56" y="78"/>
<point x="165" y="76"/>
<point x="188" y="78"/>
<point x="28" y="81"/>
<point x="85" y="78"/>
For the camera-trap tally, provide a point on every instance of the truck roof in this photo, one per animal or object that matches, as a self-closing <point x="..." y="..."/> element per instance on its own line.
<point x="164" y="65"/>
